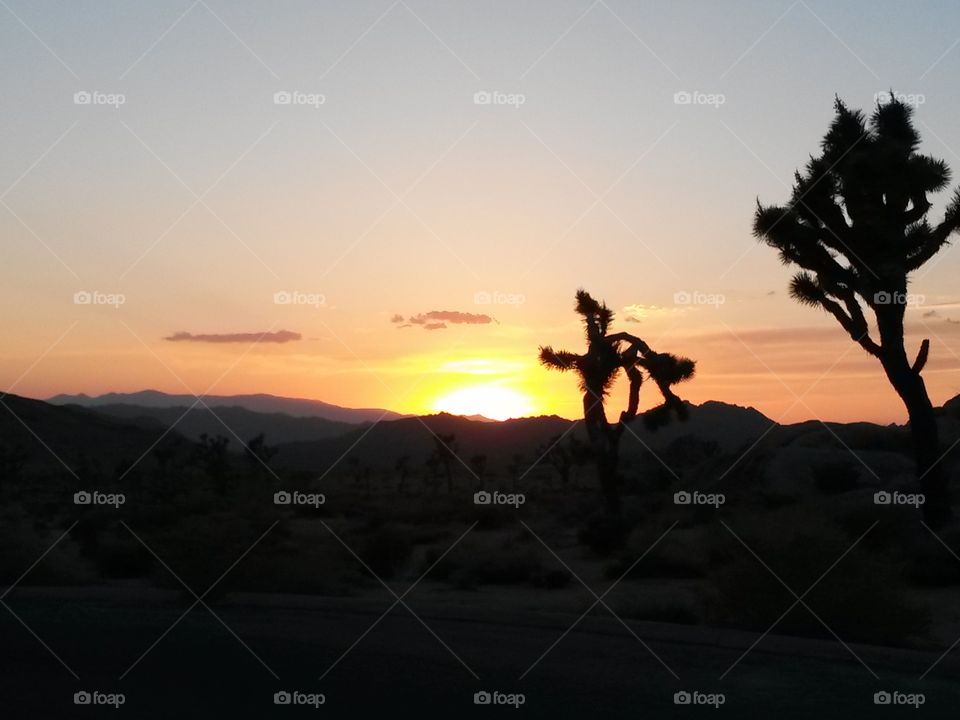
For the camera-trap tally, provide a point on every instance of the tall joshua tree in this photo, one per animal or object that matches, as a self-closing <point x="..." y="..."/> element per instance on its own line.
<point x="857" y="226"/>
<point x="598" y="368"/>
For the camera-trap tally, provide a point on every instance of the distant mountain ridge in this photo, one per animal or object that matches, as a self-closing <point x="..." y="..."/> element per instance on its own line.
<point x="312" y="444"/>
<point x="731" y="427"/>
<point x="238" y="424"/>
<point x="259" y="403"/>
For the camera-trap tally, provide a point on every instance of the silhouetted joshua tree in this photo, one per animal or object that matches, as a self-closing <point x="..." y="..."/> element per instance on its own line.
<point x="211" y="455"/>
<point x="598" y="368"/>
<point x="856" y="224"/>
<point x="562" y="455"/>
<point x="258" y="453"/>
<point x="444" y="454"/>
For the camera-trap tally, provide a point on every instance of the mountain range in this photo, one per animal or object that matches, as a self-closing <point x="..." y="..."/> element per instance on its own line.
<point x="117" y="426"/>
<point x="259" y="403"/>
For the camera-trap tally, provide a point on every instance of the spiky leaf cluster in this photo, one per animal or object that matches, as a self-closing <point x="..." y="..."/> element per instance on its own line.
<point x="856" y="223"/>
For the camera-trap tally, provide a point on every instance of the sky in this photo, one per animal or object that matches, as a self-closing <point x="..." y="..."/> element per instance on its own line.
<point x="391" y="204"/>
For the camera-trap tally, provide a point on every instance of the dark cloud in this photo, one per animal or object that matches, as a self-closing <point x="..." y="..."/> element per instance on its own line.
<point x="438" y="319"/>
<point x="280" y="336"/>
<point x="631" y="318"/>
<point x="931" y="313"/>
<point x="452" y="316"/>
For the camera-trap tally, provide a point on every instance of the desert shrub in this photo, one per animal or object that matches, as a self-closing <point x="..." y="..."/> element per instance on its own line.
<point x="486" y="561"/>
<point x="678" y="555"/>
<point x="386" y="549"/>
<point x="200" y="548"/>
<point x="292" y="566"/>
<point x="863" y="598"/>
<point x="23" y="541"/>
<point x="895" y="526"/>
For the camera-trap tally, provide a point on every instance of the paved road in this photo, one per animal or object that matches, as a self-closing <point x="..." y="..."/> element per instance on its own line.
<point x="201" y="670"/>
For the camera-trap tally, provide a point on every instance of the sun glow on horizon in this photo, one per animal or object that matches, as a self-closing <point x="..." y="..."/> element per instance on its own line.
<point x="491" y="401"/>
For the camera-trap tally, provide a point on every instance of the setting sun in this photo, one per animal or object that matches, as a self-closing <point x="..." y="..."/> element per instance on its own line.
<point x="496" y="403"/>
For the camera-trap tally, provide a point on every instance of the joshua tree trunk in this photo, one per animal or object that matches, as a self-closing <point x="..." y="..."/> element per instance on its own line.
<point x="605" y="440"/>
<point x="608" y="460"/>
<point x="909" y="385"/>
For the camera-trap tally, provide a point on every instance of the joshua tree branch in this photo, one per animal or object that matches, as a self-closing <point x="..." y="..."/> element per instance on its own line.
<point x="636" y="344"/>
<point x="938" y="238"/>
<point x="921" y="356"/>
<point x="558" y="359"/>
<point x="920" y="207"/>
<point x="636" y="379"/>
<point x="859" y="332"/>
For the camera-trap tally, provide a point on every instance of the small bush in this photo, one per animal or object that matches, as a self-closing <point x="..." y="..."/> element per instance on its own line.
<point x="478" y="562"/>
<point x="23" y="540"/>
<point x="386" y="549"/>
<point x="862" y="599"/>
<point x="675" y="556"/>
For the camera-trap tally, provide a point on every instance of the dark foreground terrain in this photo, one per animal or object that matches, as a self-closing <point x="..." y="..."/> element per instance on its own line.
<point x="232" y="664"/>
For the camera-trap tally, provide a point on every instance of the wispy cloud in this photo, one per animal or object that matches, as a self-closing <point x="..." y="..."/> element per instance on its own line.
<point x="438" y="319"/>
<point x="636" y="312"/>
<point x="280" y="336"/>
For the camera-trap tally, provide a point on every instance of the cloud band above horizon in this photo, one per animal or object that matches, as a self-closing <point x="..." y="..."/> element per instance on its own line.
<point x="280" y="336"/>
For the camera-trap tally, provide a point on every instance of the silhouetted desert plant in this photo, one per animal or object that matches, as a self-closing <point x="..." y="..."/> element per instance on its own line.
<point x="857" y="225"/>
<point x="599" y="368"/>
<point x="385" y="548"/>
<point x="862" y="599"/>
<point x="496" y="560"/>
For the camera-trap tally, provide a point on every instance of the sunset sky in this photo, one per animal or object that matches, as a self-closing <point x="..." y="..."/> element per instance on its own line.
<point x="390" y="202"/>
